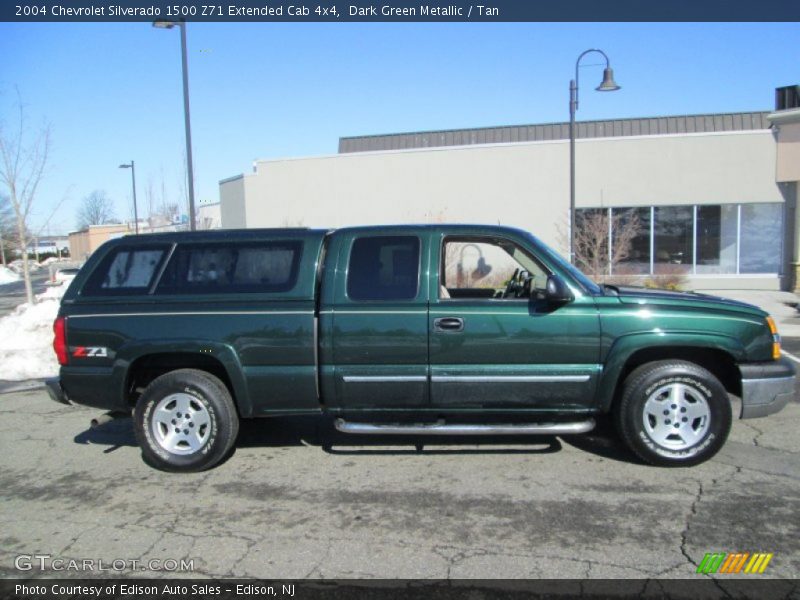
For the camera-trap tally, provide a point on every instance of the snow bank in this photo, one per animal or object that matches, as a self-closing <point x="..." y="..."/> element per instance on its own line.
<point x="7" y="275"/>
<point x="26" y="338"/>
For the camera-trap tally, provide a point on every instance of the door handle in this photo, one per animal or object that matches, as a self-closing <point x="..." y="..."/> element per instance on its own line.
<point x="448" y="324"/>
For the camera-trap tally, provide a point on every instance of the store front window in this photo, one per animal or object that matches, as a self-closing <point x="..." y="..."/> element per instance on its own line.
<point x="707" y="239"/>
<point x="673" y="248"/>
<point x="633" y="224"/>
<point x="716" y="239"/>
<point x="761" y="236"/>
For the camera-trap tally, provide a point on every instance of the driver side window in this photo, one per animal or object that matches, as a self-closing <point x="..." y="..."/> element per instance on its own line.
<point x="480" y="268"/>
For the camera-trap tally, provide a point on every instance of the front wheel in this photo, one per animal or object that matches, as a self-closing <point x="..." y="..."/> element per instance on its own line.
<point x="673" y="413"/>
<point x="185" y="420"/>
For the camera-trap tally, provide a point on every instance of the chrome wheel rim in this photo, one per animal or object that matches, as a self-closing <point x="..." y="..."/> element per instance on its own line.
<point x="676" y="416"/>
<point x="181" y="424"/>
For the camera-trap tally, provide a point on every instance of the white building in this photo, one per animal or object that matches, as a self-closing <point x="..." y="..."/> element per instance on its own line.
<point x="716" y="195"/>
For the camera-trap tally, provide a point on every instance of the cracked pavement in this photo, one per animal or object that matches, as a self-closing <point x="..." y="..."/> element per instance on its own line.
<point x="299" y="500"/>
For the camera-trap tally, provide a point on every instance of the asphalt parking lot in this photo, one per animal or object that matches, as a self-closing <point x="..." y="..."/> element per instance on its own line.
<point x="298" y="500"/>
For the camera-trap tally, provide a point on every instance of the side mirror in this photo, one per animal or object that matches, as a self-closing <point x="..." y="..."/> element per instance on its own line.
<point x="557" y="290"/>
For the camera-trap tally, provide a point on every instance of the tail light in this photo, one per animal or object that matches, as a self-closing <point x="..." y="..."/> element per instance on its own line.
<point x="60" y="340"/>
<point x="776" y="338"/>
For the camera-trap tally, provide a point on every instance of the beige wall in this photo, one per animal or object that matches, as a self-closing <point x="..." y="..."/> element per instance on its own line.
<point x="524" y="184"/>
<point x="788" y="167"/>
<point x="233" y="208"/>
<point x="83" y="243"/>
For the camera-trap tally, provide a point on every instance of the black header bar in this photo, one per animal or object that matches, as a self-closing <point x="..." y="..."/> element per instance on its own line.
<point x="398" y="11"/>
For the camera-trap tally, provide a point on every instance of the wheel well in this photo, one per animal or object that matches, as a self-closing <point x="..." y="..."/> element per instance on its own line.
<point x="146" y="368"/>
<point x="718" y="362"/>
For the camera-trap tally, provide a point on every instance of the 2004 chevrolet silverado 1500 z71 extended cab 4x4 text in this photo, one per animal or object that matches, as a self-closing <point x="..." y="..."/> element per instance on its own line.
<point x="422" y="330"/>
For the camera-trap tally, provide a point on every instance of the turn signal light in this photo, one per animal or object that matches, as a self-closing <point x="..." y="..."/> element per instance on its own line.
<point x="776" y="339"/>
<point x="60" y="340"/>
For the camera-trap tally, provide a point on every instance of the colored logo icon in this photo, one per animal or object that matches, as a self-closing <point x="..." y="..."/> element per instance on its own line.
<point x="734" y="562"/>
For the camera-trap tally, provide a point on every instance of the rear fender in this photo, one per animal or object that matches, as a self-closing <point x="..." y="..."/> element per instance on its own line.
<point x="223" y="353"/>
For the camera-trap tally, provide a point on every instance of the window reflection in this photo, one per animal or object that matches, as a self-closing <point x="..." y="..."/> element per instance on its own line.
<point x="637" y="262"/>
<point x="716" y="239"/>
<point x="761" y="236"/>
<point x="673" y="228"/>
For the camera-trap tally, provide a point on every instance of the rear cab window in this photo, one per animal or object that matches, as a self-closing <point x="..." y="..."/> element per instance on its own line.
<point x="384" y="268"/>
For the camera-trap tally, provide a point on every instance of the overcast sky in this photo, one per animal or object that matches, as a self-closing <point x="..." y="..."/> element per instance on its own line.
<point x="112" y="92"/>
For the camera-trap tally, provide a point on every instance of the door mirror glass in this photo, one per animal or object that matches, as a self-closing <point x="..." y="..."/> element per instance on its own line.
<point x="557" y="290"/>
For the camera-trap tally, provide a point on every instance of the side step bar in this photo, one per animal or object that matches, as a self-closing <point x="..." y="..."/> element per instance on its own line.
<point x="465" y="429"/>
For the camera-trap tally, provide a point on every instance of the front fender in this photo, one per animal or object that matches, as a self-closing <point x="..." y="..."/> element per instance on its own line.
<point x="223" y="353"/>
<point x="625" y="346"/>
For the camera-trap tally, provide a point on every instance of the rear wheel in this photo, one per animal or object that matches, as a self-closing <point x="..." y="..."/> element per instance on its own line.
<point x="185" y="420"/>
<point x="673" y="413"/>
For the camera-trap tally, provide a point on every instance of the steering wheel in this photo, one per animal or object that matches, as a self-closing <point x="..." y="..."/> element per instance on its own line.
<point x="512" y="284"/>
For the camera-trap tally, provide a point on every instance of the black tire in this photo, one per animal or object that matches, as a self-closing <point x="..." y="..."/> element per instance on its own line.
<point x="682" y="392"/>
<point x="158" y="415"/>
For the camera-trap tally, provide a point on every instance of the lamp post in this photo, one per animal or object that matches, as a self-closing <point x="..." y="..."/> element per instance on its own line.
<point x="133" y="183"/>
<point x="186" y="117"/>
<point x="607" y="85"/>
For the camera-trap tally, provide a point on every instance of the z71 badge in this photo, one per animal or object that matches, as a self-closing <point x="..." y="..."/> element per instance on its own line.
<point x="90" y="352"/>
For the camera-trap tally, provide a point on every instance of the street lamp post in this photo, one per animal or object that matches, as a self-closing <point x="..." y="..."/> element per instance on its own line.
<point x="186" y="117"/>
<point x="608" y="85"/>
<point x="133" y="183"/>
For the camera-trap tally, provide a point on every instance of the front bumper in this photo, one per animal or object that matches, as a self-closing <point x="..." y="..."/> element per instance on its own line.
<point x="766" y="387"/>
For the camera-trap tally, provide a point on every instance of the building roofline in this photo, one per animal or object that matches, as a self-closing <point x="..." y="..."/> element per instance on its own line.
<point x="627" y="127"/>
<point x="555" y="123"/>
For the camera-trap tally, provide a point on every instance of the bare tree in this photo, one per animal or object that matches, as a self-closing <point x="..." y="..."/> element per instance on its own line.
<point x="96" y="209"/>
<point x="591" y="242"/>
<point x="23" y="158"/>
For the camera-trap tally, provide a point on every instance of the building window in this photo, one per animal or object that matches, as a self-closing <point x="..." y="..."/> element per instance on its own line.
<point x="716" y="239"/>
<point x="708" y="239"/>
<point x="673" y="247"/>
<point x="761" y="238"/>
<point x="633" y="224"/>
<point x="384" y="268"/>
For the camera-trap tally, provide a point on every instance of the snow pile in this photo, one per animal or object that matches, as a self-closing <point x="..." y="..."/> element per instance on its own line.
<point x="7" y="275"/>
<point x="26" y="338"/>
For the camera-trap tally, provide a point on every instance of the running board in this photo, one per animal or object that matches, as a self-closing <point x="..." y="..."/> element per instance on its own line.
<point x="465" y="429"/>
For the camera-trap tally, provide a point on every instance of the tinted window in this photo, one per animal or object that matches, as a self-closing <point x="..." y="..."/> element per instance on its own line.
<point x="383" y="268"/>
<point x="126" y="271"/>
<point x="232" y="268"/>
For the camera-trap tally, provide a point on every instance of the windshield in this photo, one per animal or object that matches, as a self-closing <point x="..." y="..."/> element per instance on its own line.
<point x="586" y="283"/>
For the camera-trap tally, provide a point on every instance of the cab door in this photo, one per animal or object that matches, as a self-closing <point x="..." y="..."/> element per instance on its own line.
<point x="377" y="321"/>
<point x="492" y="347"/>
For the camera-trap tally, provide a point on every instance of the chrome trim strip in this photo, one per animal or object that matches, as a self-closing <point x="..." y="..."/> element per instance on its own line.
<point x="464" y="429"/>
<point x="510" y="378"/>
<point x="373" y="312"/>
<point x="768" y="379"/>
<point x="197" y="313"/>
<point x="383" y="378"/>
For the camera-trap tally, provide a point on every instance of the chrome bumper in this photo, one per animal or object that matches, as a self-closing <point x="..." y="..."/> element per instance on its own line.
<point x="766" y="388"/>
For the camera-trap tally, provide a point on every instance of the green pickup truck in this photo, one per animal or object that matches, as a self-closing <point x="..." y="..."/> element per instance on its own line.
<point x="416" y="330"/>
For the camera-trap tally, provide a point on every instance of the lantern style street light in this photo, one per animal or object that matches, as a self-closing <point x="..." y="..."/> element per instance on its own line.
<point x="607" y="85"/>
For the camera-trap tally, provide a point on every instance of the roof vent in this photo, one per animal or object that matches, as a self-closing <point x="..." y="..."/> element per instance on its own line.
<point x="787" y="97"/>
